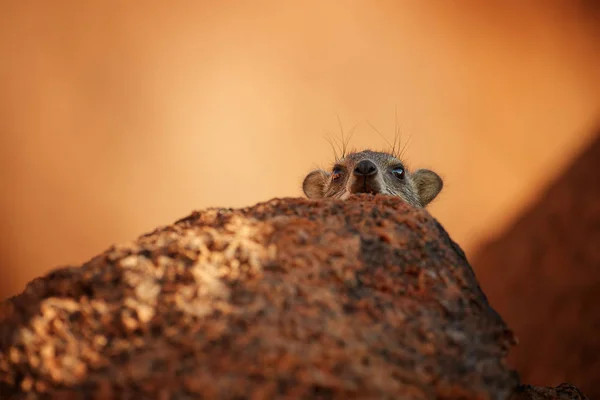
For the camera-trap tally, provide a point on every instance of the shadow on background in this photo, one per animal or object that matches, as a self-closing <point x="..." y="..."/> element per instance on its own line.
<point x="116" y="117"/>
<point x="543" y="276"/>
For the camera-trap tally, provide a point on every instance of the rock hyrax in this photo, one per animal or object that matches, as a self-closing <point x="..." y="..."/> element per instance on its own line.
<point x="373" y="172"/>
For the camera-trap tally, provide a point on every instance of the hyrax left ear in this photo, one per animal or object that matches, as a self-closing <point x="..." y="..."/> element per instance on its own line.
<point x="428" y="184"/>
<point x="314" y="184"/>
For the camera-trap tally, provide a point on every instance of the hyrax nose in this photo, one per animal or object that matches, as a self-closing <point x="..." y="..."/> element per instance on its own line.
<point x="365" y="168"/>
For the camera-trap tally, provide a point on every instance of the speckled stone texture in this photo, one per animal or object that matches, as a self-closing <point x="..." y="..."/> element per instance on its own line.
<point x="543" y="276"/>
<point x="364" y="298"/>
<point x="561" y="392"/>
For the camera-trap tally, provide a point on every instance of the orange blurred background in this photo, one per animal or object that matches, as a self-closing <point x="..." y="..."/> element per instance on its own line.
<point x="116" y="117"/>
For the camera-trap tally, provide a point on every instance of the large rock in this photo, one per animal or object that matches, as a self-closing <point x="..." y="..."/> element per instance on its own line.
<point x="564" y="391"/>
<point x="365" y="298"/>
<point x="543" y="276"/>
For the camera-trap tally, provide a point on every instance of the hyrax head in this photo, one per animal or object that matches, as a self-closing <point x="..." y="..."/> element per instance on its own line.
<point x="373" y="172"/>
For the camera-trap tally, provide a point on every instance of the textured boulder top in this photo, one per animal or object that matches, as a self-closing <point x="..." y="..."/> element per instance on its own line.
<point x="561" y="392"/>
<point x="363" y="298"/>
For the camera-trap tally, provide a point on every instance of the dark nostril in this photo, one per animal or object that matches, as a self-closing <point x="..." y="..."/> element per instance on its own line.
<point x="365" y="168"/>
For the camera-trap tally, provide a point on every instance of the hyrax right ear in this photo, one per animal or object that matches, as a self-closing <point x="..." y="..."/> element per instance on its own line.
<point x="429" y="185"/>
<point x="314" y="184"/>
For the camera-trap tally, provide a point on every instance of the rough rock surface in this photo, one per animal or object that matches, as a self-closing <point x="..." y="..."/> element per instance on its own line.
<point x="561" y="392"/>
<point x="543" y="277"/>
<point x="367" y="298"/>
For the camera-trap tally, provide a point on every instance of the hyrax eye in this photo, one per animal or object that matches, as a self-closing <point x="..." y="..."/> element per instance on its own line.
<point x="336" y="174"/>
<point x="398" y="172"/>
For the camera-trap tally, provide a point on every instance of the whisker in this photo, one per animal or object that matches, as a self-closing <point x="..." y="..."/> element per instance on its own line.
<point x="382" y="136"/>
<point x="395" y="130"/>
<point x="345" y="141"/>
<point x="331" y="143"/>
<point x="405" y="146"/>
<point x="350" y="133"/>
<point x="392" y="192"/>
<point x="342" y="132"/>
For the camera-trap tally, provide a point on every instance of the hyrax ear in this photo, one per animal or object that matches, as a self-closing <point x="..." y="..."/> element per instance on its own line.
<point x="314" y="184"/>
<point x="428" y="184"/>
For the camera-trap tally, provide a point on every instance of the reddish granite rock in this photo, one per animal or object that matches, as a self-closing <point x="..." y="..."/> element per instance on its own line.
<point x="543" y="277"/>
<point x="365" y="298"/>
<point x="561" y="392"/>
